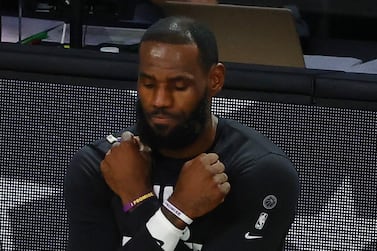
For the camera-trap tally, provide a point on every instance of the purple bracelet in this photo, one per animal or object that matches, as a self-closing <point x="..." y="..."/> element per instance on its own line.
<point x="133" y="203"/>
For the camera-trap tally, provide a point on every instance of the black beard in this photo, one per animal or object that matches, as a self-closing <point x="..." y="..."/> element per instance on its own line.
<point x="179" y="137"/>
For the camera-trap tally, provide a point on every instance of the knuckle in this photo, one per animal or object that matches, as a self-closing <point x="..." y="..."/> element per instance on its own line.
<point x="216" y="178"/>
<point x="220" y="167"/>
<point x="187" y="163"/>
<point x="115" y="144"/>
<point x="127" y="135"/>
<point x="225" y="188"/>
<point x="202" y="157"/>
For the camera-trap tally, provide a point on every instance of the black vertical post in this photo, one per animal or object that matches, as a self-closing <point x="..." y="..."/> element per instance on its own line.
<point x="1" y="9"/>
<point x="20" y="7"/>
<point x="76" y="24"/>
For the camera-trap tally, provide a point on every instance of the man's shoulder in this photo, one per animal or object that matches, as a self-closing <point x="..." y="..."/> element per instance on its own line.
<point x="244" y="149"/>
<point x="234" y="126"/>
<point x="245" y="140"/>
<point x="235" y="130"/>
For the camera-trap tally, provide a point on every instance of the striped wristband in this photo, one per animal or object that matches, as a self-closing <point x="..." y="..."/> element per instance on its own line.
<point x="133" y="203"/>
<point x="177" y="212"/>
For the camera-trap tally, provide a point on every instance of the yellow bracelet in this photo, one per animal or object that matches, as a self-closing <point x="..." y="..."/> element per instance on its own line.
<point x="133" y="203"/>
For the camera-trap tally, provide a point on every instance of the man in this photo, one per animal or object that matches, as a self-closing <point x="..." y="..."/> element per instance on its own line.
<point x="181" y="178"/>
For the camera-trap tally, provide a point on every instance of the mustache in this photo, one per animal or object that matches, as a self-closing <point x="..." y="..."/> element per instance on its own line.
<point x="162" y="112"/>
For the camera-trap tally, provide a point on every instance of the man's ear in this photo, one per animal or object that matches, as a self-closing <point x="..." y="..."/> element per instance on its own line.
<point x="217" y="78"/>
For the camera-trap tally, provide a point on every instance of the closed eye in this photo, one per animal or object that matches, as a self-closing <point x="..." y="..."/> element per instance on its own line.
<point x="181" y="83"/>
<point x="181" y="86"/>
<point x="146" y="81"/>
<point x="149" y="85"/>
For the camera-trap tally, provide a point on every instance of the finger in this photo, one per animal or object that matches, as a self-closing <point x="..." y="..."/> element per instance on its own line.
<point x="142" y="147"/>
<point x="224" y="187"/>
<point x="217" y="167"/>
<point x="126" y="136"/>
<point x="209" y="158"/>
<point x="220" y="178"/>
<point x="223" y="177"/>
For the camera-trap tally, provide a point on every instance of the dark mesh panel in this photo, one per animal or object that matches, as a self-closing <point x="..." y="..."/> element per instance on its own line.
<point x="43" y="124"/>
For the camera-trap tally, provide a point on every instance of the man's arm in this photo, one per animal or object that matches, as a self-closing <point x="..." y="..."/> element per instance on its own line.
<point x="265" y="199"/>
<point x="92" y="225"/>
<point x="201" y="187"/>
<point x="263" y="205"/>
<point x="95" y="216"/>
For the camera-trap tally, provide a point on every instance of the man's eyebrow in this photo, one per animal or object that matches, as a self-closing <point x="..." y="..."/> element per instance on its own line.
<point x="145" y="75"/>
<point x="171" y="79"/>
<point x="181" y="78"/>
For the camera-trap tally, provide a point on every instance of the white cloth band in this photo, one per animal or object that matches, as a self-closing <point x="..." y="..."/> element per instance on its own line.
<point x="177" y="212"/>
<point x="162" y="229"/>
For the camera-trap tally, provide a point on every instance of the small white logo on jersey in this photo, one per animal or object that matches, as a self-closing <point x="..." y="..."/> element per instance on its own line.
<point x="186" y="234"/>
<point x="252" y="237"/>
<point x="270" y="201"/>
<point x="261" y="220"/>
<point x="125" y="240"/>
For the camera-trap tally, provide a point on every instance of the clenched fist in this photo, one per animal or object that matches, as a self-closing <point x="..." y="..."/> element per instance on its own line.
<point x="202" y="185"/>
<point x="126" y="168"/>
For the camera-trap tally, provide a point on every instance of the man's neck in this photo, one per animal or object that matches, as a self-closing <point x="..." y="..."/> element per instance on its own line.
<point x="200" y="145"/>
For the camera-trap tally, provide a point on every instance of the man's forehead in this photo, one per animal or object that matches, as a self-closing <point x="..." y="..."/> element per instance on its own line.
<point x="152" y="43"/>
<point x="161" y="49"/>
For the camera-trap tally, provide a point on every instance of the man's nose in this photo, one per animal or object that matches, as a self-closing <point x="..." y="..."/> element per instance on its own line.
<point x="162" y="97"/>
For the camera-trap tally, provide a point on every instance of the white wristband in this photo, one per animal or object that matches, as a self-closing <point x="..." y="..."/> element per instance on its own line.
<point x="162" y="229"/>
<point x="177" y="212"/>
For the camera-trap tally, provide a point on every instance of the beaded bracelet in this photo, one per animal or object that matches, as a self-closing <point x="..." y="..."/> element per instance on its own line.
<point x="133" y="203"/>
<point x="177" y="212"/>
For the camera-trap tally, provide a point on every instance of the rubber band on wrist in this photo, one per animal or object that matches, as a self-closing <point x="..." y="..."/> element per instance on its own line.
<point x="127" y="207"/>
<point x="177" y="212"/>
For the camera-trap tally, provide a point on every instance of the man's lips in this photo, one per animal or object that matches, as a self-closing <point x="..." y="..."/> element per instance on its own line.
<point x="161" y="119"/>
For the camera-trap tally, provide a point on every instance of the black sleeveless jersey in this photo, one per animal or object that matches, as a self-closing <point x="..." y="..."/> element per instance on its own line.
<point x="256" y="214"/>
